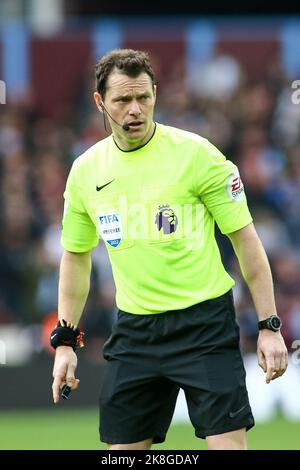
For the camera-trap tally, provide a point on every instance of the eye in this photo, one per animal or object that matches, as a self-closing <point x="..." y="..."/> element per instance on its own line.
<point x="123" y="99"/>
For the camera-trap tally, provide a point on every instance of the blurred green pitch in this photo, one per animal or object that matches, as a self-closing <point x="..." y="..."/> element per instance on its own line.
<point x="78" y="429"/>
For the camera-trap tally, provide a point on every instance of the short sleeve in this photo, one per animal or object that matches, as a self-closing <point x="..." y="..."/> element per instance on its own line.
<point x="79" y="233"/>
<point x="220" y="188"/>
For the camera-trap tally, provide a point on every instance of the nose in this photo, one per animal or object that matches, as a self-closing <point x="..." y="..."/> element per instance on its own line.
<point x="134" y="108"/>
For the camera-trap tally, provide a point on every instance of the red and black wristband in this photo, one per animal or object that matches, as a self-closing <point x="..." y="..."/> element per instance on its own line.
<point x="66" y="334"/>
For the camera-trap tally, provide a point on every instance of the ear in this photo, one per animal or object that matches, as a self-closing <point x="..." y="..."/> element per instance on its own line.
<point x="98" y="101"/>
<point x="154" y="91"/>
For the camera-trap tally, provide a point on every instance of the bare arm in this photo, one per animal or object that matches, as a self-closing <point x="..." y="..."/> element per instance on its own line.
<point x="74" y="285"/>
<point x="271" y="350"/>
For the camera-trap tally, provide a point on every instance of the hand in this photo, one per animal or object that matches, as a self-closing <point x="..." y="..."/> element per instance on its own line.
<point x="272" y="354"/>
<point x="64" y="370"/>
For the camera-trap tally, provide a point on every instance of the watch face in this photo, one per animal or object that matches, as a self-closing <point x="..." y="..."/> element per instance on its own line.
<point x="275" y="323"/>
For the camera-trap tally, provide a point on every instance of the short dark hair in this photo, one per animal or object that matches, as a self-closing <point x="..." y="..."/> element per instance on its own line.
<point x="127" y="61"/>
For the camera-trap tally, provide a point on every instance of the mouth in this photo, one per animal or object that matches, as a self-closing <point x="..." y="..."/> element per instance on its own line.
<point x="135" y="124"/>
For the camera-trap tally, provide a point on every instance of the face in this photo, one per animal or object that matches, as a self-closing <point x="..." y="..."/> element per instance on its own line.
<point x="129" y="101"/>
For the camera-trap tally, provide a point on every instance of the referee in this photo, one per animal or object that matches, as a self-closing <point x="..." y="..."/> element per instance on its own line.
<point x="153" y="194"/>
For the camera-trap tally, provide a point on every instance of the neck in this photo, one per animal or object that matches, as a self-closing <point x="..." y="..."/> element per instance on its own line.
<point x="126" y="144"/>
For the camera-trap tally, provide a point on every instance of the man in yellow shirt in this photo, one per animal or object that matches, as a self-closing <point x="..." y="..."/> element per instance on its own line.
<point x="153" y="193"/>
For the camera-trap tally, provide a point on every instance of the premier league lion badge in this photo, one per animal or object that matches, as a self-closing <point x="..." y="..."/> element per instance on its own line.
<point x="166" y="219"/>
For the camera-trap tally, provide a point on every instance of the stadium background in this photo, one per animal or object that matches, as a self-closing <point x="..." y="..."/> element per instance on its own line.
<point x="226" y="78"/>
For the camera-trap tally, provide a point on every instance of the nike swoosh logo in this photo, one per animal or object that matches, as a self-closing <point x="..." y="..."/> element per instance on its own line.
<point x="233" y="414"/>
<point x="53" y="336"/>
<point x="98" y="188"/>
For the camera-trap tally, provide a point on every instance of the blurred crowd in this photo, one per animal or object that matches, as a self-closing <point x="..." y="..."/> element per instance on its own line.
<point x="253" y="122"/>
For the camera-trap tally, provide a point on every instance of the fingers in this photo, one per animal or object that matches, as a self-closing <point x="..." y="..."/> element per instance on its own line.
<point x="261" y="361"/>
<point x="64" y="371"/>
<point x="70" y="376"/>
<point x="277" y="374"/>
<point x="272" y="354"/>
<point x="76" y="384"/>
<point x="270" y="360"/>
<point x="277" y="366"/>
<point x="283" y="363"/>
<point x="56" y="386"/>
<point x="58" y="383"/>
<point x="286" y="359"/>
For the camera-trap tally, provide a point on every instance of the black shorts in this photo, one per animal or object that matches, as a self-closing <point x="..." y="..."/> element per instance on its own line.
<point x="150" y="357"/>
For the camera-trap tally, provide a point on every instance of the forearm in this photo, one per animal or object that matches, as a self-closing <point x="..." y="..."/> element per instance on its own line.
<point x="74" y="285"/>
<point x="271" y="350"/>
<point x="256" y="272"/>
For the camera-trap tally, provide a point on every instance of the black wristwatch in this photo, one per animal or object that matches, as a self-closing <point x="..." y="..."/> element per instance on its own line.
<point x="272" y="323"/>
